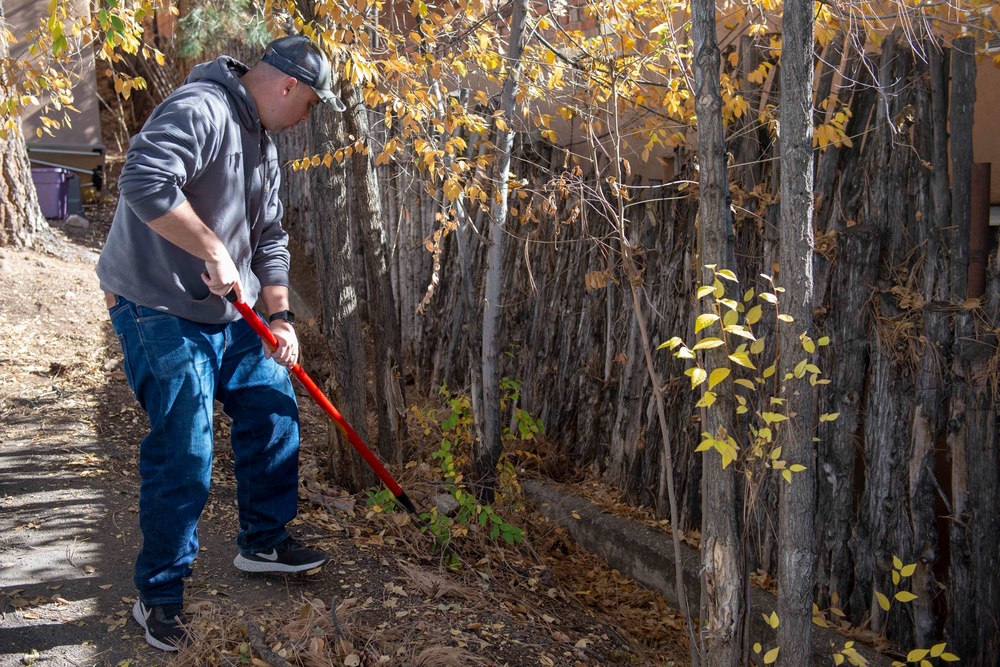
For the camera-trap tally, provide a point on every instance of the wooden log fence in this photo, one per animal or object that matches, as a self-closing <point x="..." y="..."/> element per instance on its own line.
<point x="908" y="471"/>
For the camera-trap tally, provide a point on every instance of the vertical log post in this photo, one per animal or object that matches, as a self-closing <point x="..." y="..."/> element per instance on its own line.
<point x="722" y="555"/>
<point x="797" y="503"/>
<point x="389" y="397"/>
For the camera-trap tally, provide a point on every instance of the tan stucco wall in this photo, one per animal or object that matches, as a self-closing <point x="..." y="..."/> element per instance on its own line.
<point x="24" y="15"/>
<point x="986" y="130"/>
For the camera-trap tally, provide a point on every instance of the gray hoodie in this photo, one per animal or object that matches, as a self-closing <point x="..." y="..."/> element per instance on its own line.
<point x="203" y="144"/>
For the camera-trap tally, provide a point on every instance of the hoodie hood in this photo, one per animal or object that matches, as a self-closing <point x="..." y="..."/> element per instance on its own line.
<point x="226" y="72"/>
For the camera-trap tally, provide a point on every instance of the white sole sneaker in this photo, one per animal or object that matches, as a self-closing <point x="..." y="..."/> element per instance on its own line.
<point x="245" y="564"/>
<point x="141" y="615"/>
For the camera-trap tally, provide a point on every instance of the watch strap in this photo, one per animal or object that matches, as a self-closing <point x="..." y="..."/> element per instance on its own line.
<point x="286" y="315"/>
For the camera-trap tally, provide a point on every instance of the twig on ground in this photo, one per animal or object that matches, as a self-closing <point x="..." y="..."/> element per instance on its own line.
<point x="259" y="644"/>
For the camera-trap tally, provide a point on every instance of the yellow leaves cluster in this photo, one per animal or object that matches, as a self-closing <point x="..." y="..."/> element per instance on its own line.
<point x="734" y="321"/>
<point x="920" y="655"/>
<point x="771" y="656"/>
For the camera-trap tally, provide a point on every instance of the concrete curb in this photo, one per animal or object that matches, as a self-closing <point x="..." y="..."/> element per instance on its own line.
<point x="648" y="557"/>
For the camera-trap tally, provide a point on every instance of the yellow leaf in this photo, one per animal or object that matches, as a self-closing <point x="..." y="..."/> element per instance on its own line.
<point x="745" y="383"/>
<point x="707" y="344"/>
<point x="670" y="344"/>
<point x="796" y="467"/>
<point x="730" y="318"/>
<point x="753" y="315"/>
<point x="907" y="571"/>
<point x="825" y="340"/>
<point x="452" y="189"/>
<point x="705" y="290"/>
<point x="883" y="601"/>
<point x="704" y="320"/>
<point x="757" y="647"/>
<point x="896" y="563"/>
<point x="717" y="376"/>
<point x="786" y="318"/>
<point x="916" y="655"/>
<point x="895" y="578"/>
<point x="938" y="649"/>
<point x="697" y="375"/>
<point x="905" y="596"/>
<point x="787" y="475"/>
<point x="742" y="359"/>
<point x="727" y="274"/>
<point x="707" y="399"/>
<point x="949" y="657"/>
<point x="808" y="345"/>
<point x="771" y="656"/>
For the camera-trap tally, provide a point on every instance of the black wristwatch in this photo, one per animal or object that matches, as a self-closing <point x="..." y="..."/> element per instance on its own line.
<point x="286" y="315"/>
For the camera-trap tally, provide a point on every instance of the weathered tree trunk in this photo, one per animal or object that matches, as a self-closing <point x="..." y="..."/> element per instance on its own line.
<point x="338" y="304"/>
<point x="928" y="188"/>
<point x="797" y="504"/>
<point x="383" y="319"/>
<point x="22" y="224"/>
<point x="882" y="530"/>
<point x="488" y="451"/>
<point x="722" y="556"/>
<point x="973" y="596"/>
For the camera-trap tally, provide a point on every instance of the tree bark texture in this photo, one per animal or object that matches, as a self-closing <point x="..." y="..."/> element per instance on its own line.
<point x="22" y="224"/>
<point x="339" y="308"/>
<point x="797" y="505"/>
<point x="390" y="399"/>
<point x="974" y="594"/>
<point x="723" y="563"/>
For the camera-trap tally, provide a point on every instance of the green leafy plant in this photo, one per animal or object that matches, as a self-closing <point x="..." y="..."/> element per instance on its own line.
<point x="457" y="436"/>
<point x="527" y="426"/>
<point x="459" y="427"/>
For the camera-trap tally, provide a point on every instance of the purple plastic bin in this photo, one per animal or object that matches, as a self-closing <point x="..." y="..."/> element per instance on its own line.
<point x="53" y="190"/>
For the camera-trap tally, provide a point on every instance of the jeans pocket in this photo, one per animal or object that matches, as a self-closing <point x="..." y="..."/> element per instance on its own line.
<point x="121" y="319"/>
<point x="120" y="305"/>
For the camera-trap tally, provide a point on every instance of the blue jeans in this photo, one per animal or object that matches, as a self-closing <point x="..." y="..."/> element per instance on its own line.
<point x="177" y="370"/>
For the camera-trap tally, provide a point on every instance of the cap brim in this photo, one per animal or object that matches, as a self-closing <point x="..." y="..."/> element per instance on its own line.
<point x="331" y="99"/>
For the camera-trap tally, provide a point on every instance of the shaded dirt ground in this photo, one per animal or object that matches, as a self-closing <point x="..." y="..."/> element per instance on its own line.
<point x="69" y="434"/>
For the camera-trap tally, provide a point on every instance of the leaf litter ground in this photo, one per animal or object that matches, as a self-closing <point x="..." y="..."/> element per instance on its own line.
<point x="71" y="433"/>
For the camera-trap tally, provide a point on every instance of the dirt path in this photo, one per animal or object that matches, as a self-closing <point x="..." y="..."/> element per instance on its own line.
<point x="69" y="433"/>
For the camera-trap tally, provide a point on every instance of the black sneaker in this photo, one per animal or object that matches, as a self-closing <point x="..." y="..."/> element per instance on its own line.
<point x="289" y="556"/>
<point x="164" y="625"/>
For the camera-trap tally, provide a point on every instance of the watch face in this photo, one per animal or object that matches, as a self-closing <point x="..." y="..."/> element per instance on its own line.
<point x="286" y="315"/>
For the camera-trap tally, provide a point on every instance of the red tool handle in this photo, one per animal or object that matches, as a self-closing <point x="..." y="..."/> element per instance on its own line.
<point x="257" y="324"/>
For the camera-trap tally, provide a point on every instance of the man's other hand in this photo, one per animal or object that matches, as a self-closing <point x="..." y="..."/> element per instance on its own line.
<point x="287" y="353"/>
<point x="222" y="277"/>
